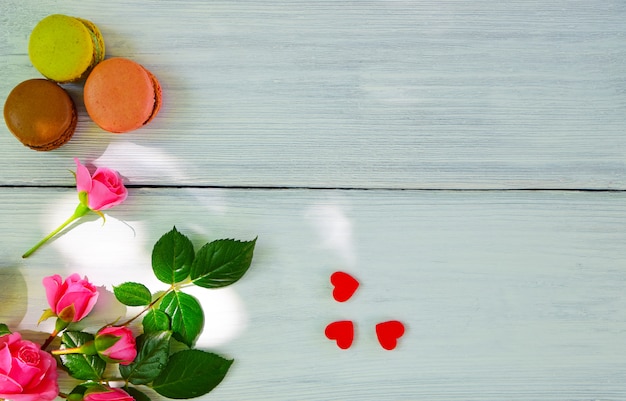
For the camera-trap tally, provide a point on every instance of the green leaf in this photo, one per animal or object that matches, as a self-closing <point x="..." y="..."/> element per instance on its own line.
<point x="152" y="353"/>
<point x="222" y="262"/>
<point x="191" y="373"/>
<point x="80" y="366"/>
<point x="4" y="329"/>
<point x="156" y="320"/>
<point x="136" y="394"/>
<point x="172" y="257"/>
<point x="186" y="314"/>
<point x="133" y="294"/>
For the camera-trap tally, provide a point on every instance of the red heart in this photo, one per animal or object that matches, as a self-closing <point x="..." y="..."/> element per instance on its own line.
<point x="388" y="333"/>
<point x="341" y="331"/>
<point x="345" y="286"/>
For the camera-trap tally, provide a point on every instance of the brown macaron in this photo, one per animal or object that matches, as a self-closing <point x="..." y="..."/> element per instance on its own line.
<point x="41" y="114"/>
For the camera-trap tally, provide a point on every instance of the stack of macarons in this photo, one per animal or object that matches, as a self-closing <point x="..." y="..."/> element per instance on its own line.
<point x="119" y="94"/>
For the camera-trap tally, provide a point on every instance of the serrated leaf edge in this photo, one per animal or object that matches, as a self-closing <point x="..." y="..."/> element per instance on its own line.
<point x="249" y="247"/>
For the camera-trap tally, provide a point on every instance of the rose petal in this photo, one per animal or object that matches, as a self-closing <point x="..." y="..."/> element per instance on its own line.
<point x="108" y="177"/>
<point x="83" y="178"/>
<point x="75" y="292"/>
<point x="90" y="304"/>
<point x="75" y="281"/>
<point x="101" y="197"/>
<point x="72" y="278"/>
<point x="124" y="349"/>
<point x="85" y="298"/>
<point x="52" y="284"/>
<point x="48" y="390"/>
<point x="8" y="387"/>
<point x="23" y="372"/>
<point x="26" y="359"/>
<point x="5" y="359"/>
<point x="84" y="306"/>
<point x="112" y="180"/>
<point x="113" y="394"/>
<point x="47" y="373"/>
<point x="80" y="300"/>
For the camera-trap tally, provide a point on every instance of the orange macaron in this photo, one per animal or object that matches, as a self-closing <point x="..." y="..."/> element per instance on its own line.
<point x="121" y="95"/>
<point x="40" y="114"/>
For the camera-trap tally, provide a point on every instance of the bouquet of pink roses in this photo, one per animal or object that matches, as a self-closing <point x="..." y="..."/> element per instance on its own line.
<point x="162" y="357"/>
<point x="28" y="372"/>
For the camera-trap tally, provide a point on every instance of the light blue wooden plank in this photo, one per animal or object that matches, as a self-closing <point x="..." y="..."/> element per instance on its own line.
<point x="385" y="94"/>
<point x="506" y="295"/>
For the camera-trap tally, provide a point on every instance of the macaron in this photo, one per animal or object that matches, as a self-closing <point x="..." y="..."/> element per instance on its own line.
<point x="121" y="95"/>
<point x="64" y="48"/>
<point x="40" y="114"/>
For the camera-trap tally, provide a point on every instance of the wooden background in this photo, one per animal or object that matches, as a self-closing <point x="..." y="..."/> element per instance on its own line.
<point x="465" y="160"/>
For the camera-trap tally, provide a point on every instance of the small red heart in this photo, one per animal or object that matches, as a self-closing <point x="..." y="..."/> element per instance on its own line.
<point x="388" y="333"/>
<point x="341" y="331"/>
<point x="345" y="286"/>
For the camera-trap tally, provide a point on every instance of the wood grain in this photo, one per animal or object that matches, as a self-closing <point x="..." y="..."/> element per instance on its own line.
<point x="345" y="94"/>
<point x="388" y="139"/>
<point x="514" y="295"/>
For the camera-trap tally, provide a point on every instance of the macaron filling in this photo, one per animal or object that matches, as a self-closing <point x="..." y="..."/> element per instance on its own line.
<point x="157" y="97"/>
<point x="98" y="44"/>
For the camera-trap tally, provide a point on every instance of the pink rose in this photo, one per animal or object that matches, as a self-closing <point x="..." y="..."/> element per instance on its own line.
<point x="71" y="300"/>
<point x="26" y="372"/>
<point x="104" y="189"/>
<point x="116" y="345"/>
<point x="101" y="393"/>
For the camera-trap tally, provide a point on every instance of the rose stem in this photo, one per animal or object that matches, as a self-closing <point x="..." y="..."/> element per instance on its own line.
<point x="80" y="211"/>
<point x="49" y="340"/>
<point x="147" y="308"/>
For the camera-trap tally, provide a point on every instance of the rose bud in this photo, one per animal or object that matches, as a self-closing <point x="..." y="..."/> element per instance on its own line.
<point x="71" y="300"/>
<point x="102" y="190"/>
<point x="27" y="373"/>
<point x="104" y="393"/>
<point x="116" y="345"/>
